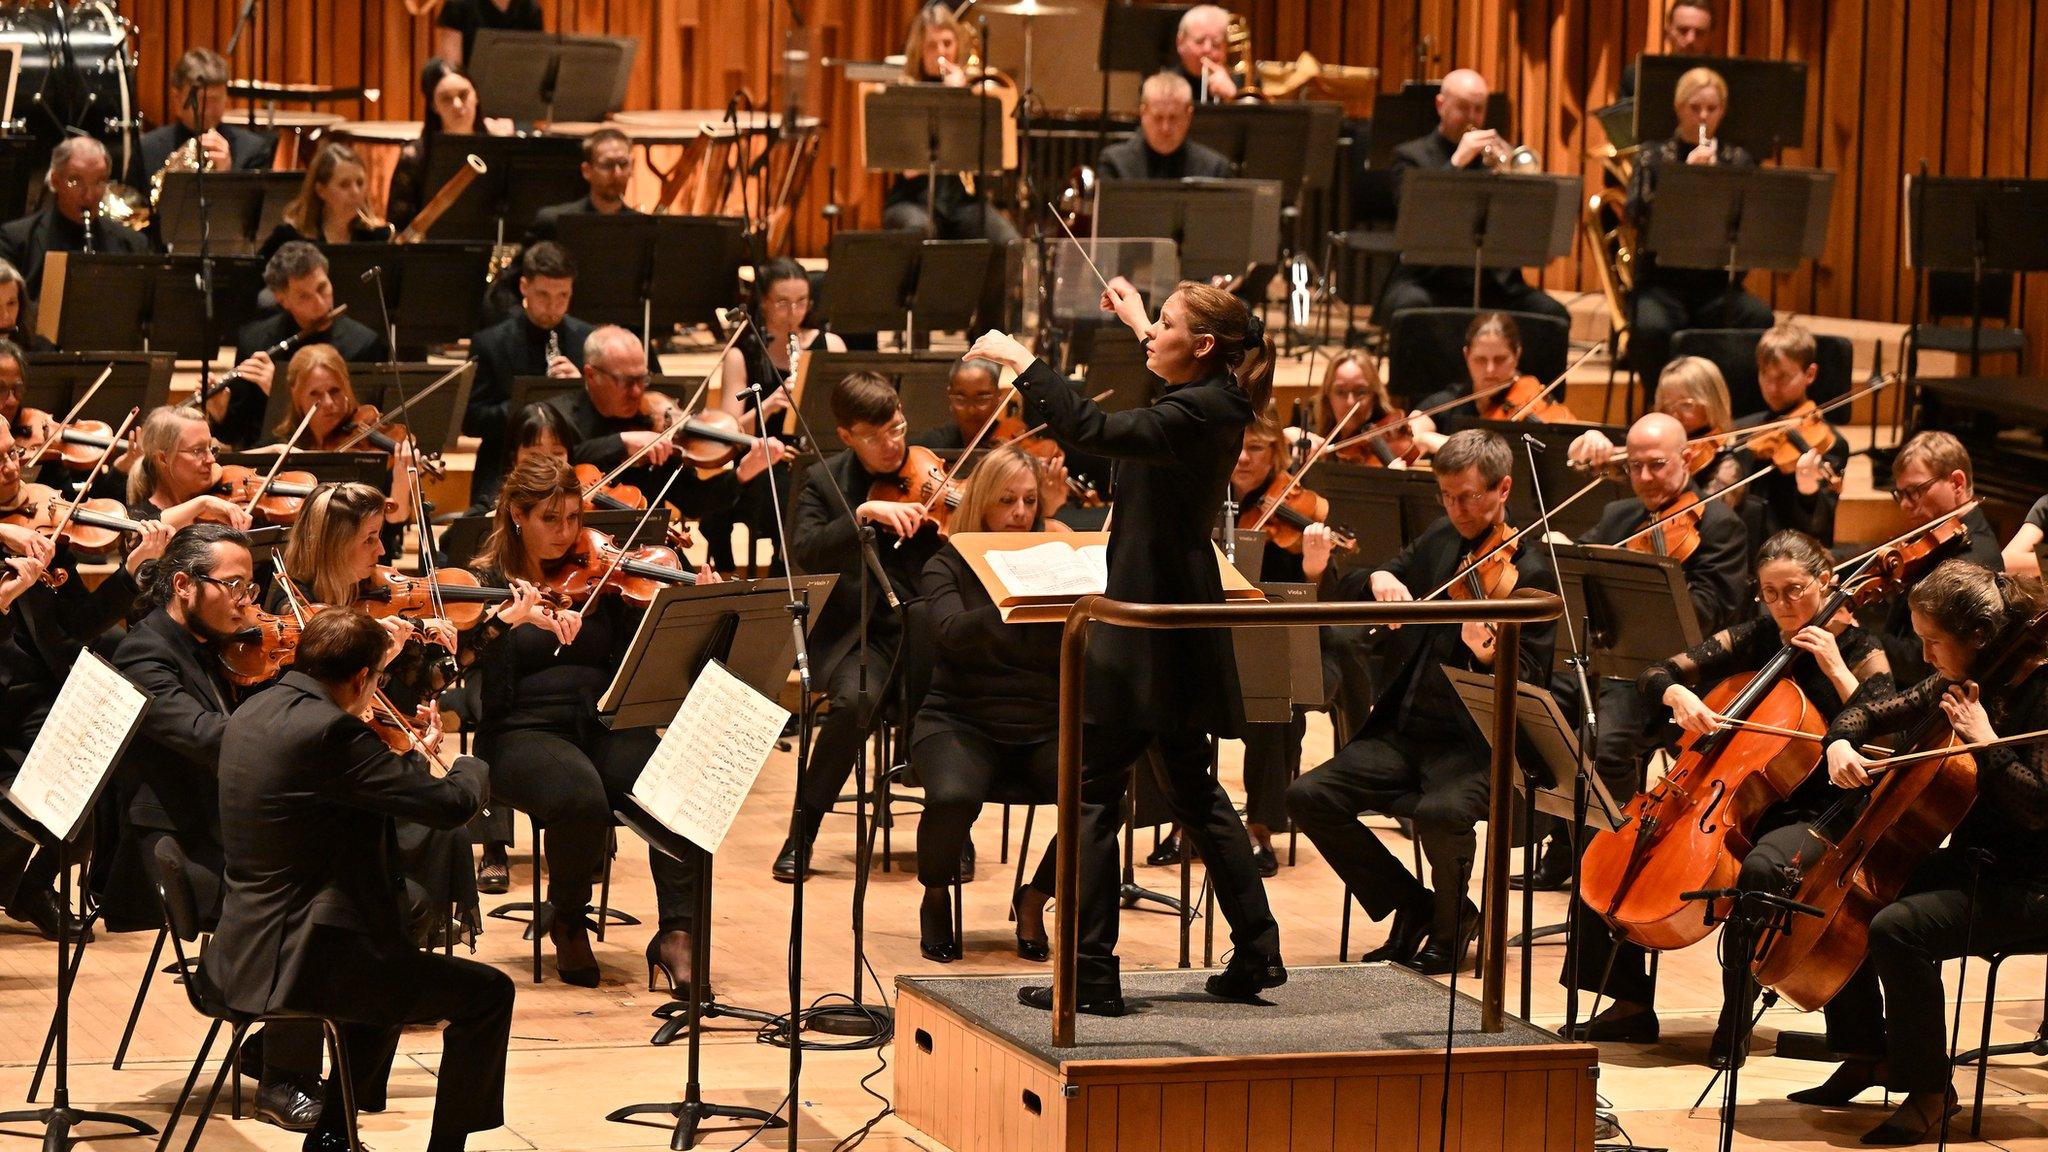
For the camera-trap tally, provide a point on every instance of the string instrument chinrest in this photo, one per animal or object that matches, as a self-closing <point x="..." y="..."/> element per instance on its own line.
<point x="260" y="651"/>
<point x="1676" y="532"/>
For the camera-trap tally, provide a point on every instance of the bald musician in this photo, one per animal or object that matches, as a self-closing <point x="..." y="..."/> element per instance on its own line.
<point x="1160" y="149"/>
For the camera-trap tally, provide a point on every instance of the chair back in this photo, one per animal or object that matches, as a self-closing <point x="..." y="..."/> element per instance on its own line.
<point x="171" y="871"/>
<point x="1426" y="349"/>
<point x="1733" y="351"/>
<point x="1950" y="296"/>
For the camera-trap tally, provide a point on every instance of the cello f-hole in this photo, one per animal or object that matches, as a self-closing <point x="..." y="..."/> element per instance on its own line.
<point x="1718" y="793"/>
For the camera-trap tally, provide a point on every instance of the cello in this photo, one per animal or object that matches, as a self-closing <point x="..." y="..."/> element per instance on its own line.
<point x="1690" y="832"/>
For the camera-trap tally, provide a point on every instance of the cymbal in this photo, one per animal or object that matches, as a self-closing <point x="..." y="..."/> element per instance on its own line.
<point x="1028" y="8"/>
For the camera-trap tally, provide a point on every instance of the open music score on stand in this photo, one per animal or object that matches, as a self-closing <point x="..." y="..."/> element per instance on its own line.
<point x="709" y="757"/>
<point x="95" y="713"/>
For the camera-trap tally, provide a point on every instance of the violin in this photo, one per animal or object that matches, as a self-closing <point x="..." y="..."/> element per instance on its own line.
<point x="1395" y="443"/>
<point x="282" y="496"/>
<point x="1297" y="510"/>
<point x="639" y="575"/>
<point x="1691" y="832"/>
<point x="602" y="497"/>
<point x="1526" y="399"/>
<point x="94" y="527"/>
<point x="917" y="481"/>
<point x="1010" y="429"/>
<point x="260" y="651"/>
<point x="1673" y="532"/>
<point x="385" y="437"/>
<point x="711" y="439"/>
<point x="1800" y="431"/>
<point x="1489" y="572"/>
<point x="463" y="598"/>
<point x="80" y="443"/>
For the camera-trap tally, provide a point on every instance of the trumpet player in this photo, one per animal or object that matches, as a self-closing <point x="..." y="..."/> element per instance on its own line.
<point x="199" y="100"/>
<point x="70" y="219"/>
<point x="1461" y="140"/>
<point x="1668" y="300"/>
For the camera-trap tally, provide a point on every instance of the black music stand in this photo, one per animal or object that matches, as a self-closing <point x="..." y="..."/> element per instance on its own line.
<point x="1736" y="219"/>
<point x="1630" y="600"/>
<point x="435" y="290"/>
<point x="1409" y="114"/>
<point x="950" y="277"/>
<point x="1384" y="509"/>
<point x="1957" y="224"/>
<point x="919" y="377"/>
<point x="1116" y="364"/>
<point x="1222" y="227"/>
<point x="745" y="625"/>
<point x="869" y="279"/>
<point x="1767" y="112"/>
<point x="1294" y="143"/>
<point x="433" y="418"/>
<point x="141" y="302"/>
<point x="524" y="175"/>
<point x="55" y="381"/>
<point x="1450" y="216"/>
<point x="544" y="77"/>
<point x="652" y="273"/>
<point x="244" y="207"/>
<point x="1558" y="477"/>
<point x="932" y="128"/>
<point x="371" y="468"/>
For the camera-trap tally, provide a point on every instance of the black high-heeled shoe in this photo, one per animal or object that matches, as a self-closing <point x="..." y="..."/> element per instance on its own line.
<point x="935" y="927"/>
<point x="1852" y="1079"/>
<point x="670" y="953"/>
<point x="1917" y="1118"/>
<point x="583" y="975"/>
<point x="1035" y="950"/>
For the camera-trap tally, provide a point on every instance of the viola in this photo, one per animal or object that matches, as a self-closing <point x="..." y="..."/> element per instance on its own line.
<point x="260" y="651"/>
<point x="1395" y="443"/>
<point x="917" y="481"/>
<point x="281" y="498"/>
<point x="80" y="443"/>
<point x="1298" y="509"/>
<point x="639" y="575"/>
<point x="1691" y="832"/>
<point x="1489" y="572"/>
<point x="1009" y="429"/>
<point x="1800" y="431"/>
<point x="600" y="496"/>
<point x="1526" y="399"/>
<point x="1673" y="532"/>
<point x="711" y="439"/>
<point x="94" y="527"/>
<point x="385" y="437"/>
<point x="463" y="598"/>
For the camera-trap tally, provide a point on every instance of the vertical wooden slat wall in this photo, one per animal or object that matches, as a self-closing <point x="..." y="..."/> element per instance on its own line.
<point x="1891" y="82"/>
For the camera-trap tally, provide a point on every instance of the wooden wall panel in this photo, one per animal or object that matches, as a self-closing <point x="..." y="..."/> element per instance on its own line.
<point x="1956" y="82"/>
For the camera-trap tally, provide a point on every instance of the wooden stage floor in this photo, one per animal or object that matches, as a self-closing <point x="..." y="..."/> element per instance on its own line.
<point x="577" y="1054"/>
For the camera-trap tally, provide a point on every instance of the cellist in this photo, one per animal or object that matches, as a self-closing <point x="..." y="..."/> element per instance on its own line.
<point x="1984" y="890"/>
<point x="1418" y="754"/>
<point x="1794" y="573"/>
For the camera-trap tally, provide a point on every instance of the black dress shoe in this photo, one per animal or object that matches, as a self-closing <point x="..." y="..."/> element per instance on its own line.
<point x="1037" y="950"/>
<point x="1917" y="1119"/>
<point x="1096" y="1002"/>
<point x="1264" y="860"/>
<point x="935" y="927"/>
<point x="1404" y="938"/>
<point x="785" y="863"/>
<point x="1245" y="977"/>
<point x="41" y="909"/>
<point x="326" y="1141"/>
<point x="288" y="1106"/>
<point x="1168" y="851"/>
<point x="1618" y="1025"/>
<point x="1439" y="957"/>
<point x="1553" y="869"/>
<point x="1852" y="1079"/>
<point x="494" y="871"/>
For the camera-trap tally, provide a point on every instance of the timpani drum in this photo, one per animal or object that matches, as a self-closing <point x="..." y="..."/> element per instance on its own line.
<point x="298" y="132"/>
<point x="378" y="142"/>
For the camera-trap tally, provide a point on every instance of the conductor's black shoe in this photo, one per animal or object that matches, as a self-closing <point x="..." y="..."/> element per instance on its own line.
<point x="1404" y="939"/>
<point x="41" y="909"/>
<point x="1168" y="851"/>
<point x="1100" y="1002"/>
<point x="1553" y="869"/>
<point x="288" y="1106"/>
<point x="1264" y="860"/>
<point x="1439" y="956"/>
<point x="1619" y="1025"/>
<point x="1247" y="976"/>
<point x="785" y="863"/>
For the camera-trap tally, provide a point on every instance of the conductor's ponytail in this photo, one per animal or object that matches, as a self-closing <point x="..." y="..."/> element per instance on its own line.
<point x="1240" y="336"/>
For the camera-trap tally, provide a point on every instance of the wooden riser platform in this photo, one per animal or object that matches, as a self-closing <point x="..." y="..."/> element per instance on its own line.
<point x="1339" y="1058"/>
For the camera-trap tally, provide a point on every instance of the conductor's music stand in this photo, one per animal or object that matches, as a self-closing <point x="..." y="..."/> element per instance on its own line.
<point x="1976" y="226"/>
<point x="746" y="625"/>
<point x="546" y="77"/>
<point x="932" y="128"/>
<point x="55" y="381"/>
<point x="1483" y="220"/>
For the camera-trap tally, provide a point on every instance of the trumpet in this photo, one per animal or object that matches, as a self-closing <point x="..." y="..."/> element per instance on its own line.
<point x="1504" y="157"/>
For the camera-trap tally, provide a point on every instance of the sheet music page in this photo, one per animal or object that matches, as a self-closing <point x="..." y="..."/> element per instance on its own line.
<point x="96" y="710"/>
<point x="709" y="758"/>
<point x="1052" y="569"/>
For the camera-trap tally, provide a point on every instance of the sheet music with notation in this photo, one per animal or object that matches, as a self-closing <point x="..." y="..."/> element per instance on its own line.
<point x="1053" y="569"/>
<point x="95" y="713"/>
<point x="709" y="757"/>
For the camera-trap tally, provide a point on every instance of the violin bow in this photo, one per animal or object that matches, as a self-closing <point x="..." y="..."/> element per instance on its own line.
<point x="57" y="433"/>
<point x="946" y="479"/>
<point x="1381" y="430"/>
<point x="1668" y="517"/>
<point x="620" y="556"/>
<point x="1859" y="559"/>
<point x="669" y="432"/>
<point x="98" y="466"/>
<point x="1533" y="525"/>
<point x="363" y="433"/>
<point x="1518" y="413"/>
<point x="290" y="446"/>
<point x="1294" y="481"/>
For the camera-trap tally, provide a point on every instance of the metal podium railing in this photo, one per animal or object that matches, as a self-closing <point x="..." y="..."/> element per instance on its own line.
<point x="1524" y="607"/>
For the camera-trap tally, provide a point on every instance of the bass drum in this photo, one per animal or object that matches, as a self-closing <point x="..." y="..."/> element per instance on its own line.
<point x="76" y="73"/>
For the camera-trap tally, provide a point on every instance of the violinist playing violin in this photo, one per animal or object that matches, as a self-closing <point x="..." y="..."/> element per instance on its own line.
<point x="1982" y="892"/>
<point x="1418" y="754"/>
<point x="1810" y="456"/>
<point x="843" y="494"/>
<point x="319" y="382"/>
<point x="297" y="275"/>
<point x="1692" y="392"/>
<point x="616" y="415"/>
<point x="30" y="426"/>
<point x="174" y="474"/>
<point x="1794" y="575"/>
<point x="974" y="395"/>
<point x="1353" y="381"/>
<point x="1931" y="477"/>
<point x="42" y="631"/>
<point x="541" y="671"/>
<point x="1494" y="388"/>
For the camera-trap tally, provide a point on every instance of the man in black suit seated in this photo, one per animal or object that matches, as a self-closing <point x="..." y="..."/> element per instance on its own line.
<point x="77" y="180"/>
<point x="520" y="345"/>
<point x="1688" y="24"/>
<point x="1461" y="140"/>
<point x="1161" y="149"/>
<point x="199" y="96"/>
<point x="607" y="167"/>
<point x="614" y="416"/>
<point x="297" y="276"/>
<point x="312" y="919"/>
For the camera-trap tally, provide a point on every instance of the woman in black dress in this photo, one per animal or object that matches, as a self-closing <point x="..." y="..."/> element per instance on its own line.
<point x="331" y="207"/>
<point x="1174" y="689"/>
